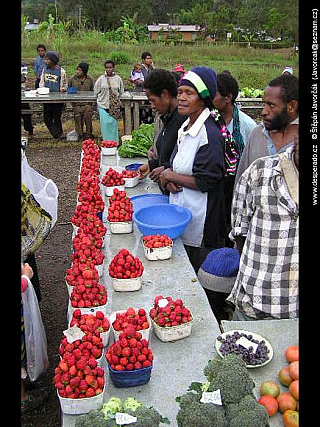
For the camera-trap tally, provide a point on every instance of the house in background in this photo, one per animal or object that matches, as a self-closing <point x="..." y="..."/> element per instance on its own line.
<point x="32" y="26"/>
<point x="164" y="31"/>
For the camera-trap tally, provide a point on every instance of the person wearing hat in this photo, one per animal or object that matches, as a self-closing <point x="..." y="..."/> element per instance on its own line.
<point x="195" y="179"/>
<point x="287" y="70"/>
<point x="82" y="111"/>
<point x="217" y="276"/>
<point x="55" y="78"/>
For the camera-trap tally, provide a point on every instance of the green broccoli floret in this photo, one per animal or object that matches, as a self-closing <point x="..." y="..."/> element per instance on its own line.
<point x="147" y="417"/>
<point x="93" y="418"/>
<point x="245" y="405"/>
<point x="252" y="418"/>
<point x="193" y="413"/>
<point x="231" y="376"/>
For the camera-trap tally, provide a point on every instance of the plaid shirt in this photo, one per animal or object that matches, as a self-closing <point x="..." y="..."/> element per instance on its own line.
<point x="266" y="286"/>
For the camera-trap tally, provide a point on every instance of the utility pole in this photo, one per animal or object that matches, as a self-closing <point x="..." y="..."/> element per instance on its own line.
<point x="80" y="9"/>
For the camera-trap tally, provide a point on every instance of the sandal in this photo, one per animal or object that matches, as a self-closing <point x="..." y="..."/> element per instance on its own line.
<point x="34" y="400"/>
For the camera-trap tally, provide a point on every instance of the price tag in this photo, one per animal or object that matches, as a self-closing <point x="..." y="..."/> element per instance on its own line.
<point x="122" y="418"/>
<point x="211" y="397"/>
<point x="73" y="334"/>
<point x="163" y="302"/>
<point x="247" y="343"/>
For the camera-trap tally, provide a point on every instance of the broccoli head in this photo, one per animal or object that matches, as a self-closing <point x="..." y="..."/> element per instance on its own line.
<point x="248" y="404"/>
<point x="92" y="418"/>
<point x="193" y="413"/>
<point x="231" y="376"/>
<point x="251" y="418"/>
<point x="131" y="403"/>
<point x="147" y="417"/>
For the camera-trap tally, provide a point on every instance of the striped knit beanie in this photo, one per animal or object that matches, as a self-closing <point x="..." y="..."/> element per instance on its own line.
<point x="203" y="80"/>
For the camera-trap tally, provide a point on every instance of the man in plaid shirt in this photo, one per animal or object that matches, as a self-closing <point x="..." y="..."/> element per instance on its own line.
<point x="265" y="227"/>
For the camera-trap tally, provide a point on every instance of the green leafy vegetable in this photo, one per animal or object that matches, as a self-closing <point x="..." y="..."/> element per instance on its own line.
<point x="140" y="143"/>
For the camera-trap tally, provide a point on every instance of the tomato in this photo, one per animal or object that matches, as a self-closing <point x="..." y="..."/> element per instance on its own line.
<point x="286" y="401"/>
<point x="294" y="370"/>
<point x="269" y="388"/>
<point x="284" y="376"/>
<point x="270" y="403"/>
<point x="294" y="389"/>
<point x="290" y="418"/>
<point x="292" y="353"/>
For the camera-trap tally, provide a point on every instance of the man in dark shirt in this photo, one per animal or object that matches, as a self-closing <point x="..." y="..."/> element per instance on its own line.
<point x="82" y="111"/>
<point x="161" y="89"/>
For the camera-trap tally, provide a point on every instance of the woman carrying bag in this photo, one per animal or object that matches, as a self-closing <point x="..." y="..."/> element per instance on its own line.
<point x="108" y="88"/>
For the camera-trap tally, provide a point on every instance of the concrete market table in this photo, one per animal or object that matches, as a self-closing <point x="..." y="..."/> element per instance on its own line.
<point x="280" y="334"/>
<point x="176" y="364"/>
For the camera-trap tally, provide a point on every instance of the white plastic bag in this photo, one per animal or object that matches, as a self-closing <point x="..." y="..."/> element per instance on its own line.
<point x="43" y="189"/>
<point x="35" y="335"/>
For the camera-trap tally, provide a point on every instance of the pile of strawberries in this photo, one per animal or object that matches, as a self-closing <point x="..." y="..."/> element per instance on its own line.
<point x="167" y="312"/>
<point x="130" y="352"/>
<point x="129" y="174"/>
<point x="78" y="374"/>
<point x="156" y="241"/>
<point x="136" y="318"/>
<point x="112" y="178"/>
<point x="125" y="266"/>
<point x="120" y="207"/>
<point x="93" y="324"/>
<point x="82" y="274"/>
<point x="108" y="143"/>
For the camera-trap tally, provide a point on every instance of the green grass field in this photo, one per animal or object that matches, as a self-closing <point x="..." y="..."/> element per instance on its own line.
<point x="252" y="67"/>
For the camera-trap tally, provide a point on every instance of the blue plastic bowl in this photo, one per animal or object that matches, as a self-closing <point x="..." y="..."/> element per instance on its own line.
<point x="164" y="218"/>
<point x="130" y="378"/>
<point x="133" y="166"/>
<point x="144" y="200"/>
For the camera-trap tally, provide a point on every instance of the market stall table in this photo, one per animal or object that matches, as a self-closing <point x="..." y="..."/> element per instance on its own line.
<point x="280" y="334"/>
<point x="175" y="364"/>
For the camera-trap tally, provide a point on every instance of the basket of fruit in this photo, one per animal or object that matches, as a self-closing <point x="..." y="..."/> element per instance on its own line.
<point x="97" y="324"/>
<point x="112" y="179"/>
<point x="125" y="271"/>
<point x="131" y="178"/>
<point x="109" y="147"/>
<point x="130" y="364"/>
<point x="157" y="246"/>
<point x="170" y="319"/>
<point x="120" y="212"/>
<point x="138" y="318"/>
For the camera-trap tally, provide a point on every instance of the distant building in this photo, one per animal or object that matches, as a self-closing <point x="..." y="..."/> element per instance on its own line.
<point x="32" y="26"/>
<point x="188" y="32"/>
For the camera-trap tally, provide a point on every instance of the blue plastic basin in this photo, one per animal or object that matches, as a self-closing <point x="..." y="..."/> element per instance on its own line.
<point x="164" y="218"/>
<point x="144" y="200"/>
<point x="133" y="166"/>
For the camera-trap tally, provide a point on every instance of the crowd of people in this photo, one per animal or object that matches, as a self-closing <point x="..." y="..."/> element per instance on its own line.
<point x="238" y="178"/>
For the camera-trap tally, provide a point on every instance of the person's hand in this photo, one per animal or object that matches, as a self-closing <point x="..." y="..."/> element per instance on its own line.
<point x="173" y="188"/>
<point x="155" y="173"/>
<point x="143" y="171"/>
<point x="165" y="177"/>
<point x="26" y="270"/>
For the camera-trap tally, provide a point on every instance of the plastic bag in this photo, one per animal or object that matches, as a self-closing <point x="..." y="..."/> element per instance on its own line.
<point x="35" y="335"/>
<point x="43" y="189"/>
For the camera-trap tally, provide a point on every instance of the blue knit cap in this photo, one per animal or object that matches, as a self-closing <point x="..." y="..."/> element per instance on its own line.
<point x="219" y="270"/>
<point x="203" y="79"/>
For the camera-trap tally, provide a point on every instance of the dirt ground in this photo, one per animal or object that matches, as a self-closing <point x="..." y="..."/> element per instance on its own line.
<point x="61" y="164"/>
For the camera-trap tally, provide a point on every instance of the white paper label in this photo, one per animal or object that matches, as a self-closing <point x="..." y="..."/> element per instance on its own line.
<point x="163" y="302"/>
<point x="122" y="418"/>
<point x="211" y="397"/>
<point x="73" y="334"/>
<point x="247" y="343"/>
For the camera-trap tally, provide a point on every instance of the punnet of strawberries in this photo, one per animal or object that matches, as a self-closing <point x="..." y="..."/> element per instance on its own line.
<point x="90" y="323"/>
<point x="125" y="266"/>
<point x="82" y="274"/>
<point x="130" y="352"/>
<point x="112" y="178"/>
<point x="82" y="240"/>
<point x="120" y="207"/>
<point x="156" y="241"/>
<point x="134" y="317"/>
<point x="87" y="297"/>
<point x="167" y="312"/>
<point x="90" y="253"/>
<point x="108" y="143"/>
<point x="129" y="174"/>
<point x="78" y="374"/>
